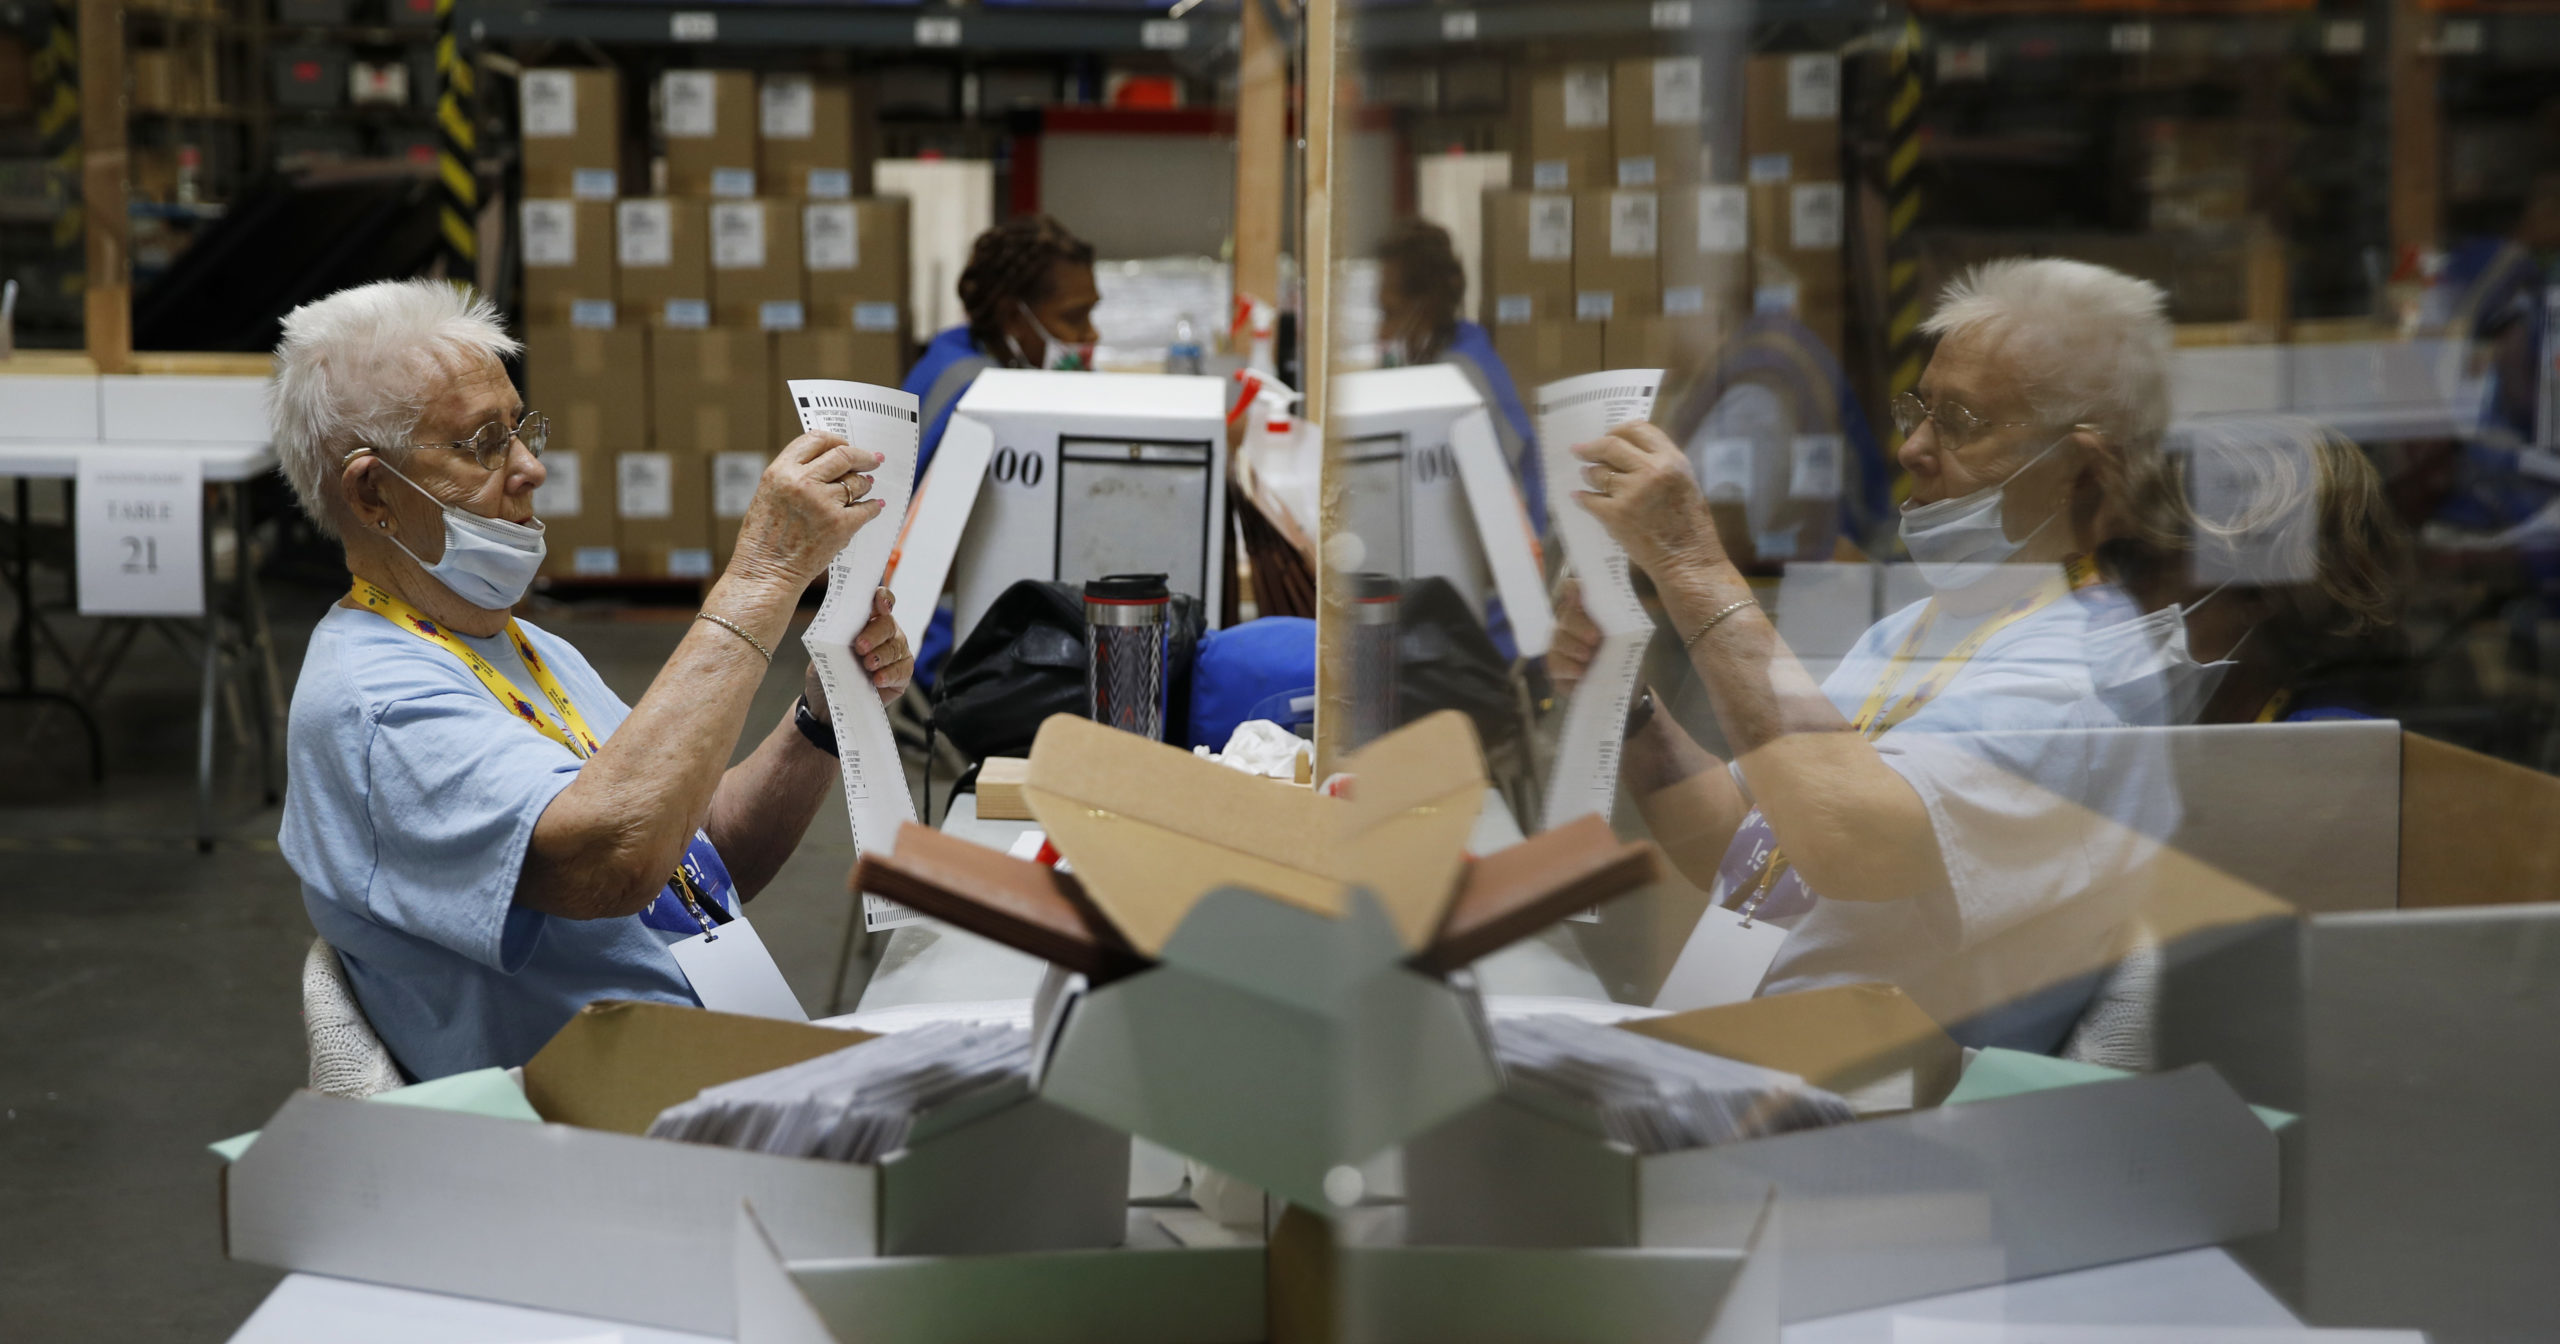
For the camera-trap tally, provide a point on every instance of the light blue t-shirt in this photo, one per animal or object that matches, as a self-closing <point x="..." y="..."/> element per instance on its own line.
<point x="2044" y="807"/>
<point x="410" y="797"/>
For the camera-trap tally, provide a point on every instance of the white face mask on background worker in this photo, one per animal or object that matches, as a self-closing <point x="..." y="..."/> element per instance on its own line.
<point x="1056" y="353"/>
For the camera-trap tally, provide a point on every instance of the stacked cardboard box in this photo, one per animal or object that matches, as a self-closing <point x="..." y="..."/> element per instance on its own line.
<point x="588" y="382"/>
<point x="1791" y="145"/>
<point x="568" y="251"/>
<point x="572" y="123"/>
<point x="710" y="392"/>
<point x="708" y="118"/>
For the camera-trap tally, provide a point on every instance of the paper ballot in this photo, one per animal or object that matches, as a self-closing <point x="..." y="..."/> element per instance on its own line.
<point x="875" y="781"/>
<point x="1576" y="411"/>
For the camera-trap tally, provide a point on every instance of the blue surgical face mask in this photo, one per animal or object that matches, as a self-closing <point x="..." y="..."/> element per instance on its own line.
<point x="488" y="562"/>
<point x="1957" y="542"/>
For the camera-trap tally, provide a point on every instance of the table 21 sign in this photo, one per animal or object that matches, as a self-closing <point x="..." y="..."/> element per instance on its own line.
<point x="139" y="534"/>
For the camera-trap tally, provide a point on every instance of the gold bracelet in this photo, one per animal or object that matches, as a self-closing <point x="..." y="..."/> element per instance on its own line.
<point x="736" y="629"/>
<point x="1712" y="622"/>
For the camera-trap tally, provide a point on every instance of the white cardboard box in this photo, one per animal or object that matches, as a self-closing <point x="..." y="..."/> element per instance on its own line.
<point x="183" y="408"/>
<point x="586" y="1220"/>
<point x="1879" y="1210"/>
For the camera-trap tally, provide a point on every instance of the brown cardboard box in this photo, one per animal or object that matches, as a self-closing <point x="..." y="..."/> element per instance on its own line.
<point x="572" y="125"/>
<point x="1657" y="120"/>
<point x="588" y="383"/>
<point x="1682" y="347"/>
<point x="1528" y="257"/>
<point x="1538" y="353"/>
<point x="153" y="72"/>
<point x="855" y="253"/>
<point x="1564" y="139"/>
<point x="708" y="118"/>
<point x="568" y="262"/>
<point x="662" y="514"/>
<point x="662" y="261"/>
<point x="1798" y="219"/>
<point x="1814" y="292"/>
<point x="1706" y="249"/>
<point x="804" y="145"/>
<point x="756" y="265"/>
<point x="1617" y="270"/>
<point x="711" y="391"/>
<point x="1791" y="117"/>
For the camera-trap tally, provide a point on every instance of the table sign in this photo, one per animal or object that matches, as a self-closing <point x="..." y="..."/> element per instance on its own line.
<point x="138" y="533"/>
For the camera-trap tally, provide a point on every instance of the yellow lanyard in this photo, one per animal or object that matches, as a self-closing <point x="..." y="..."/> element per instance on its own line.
<point x="580" y="741"/>
<point x="2276" y="705"/>
<point x="1875" y="718"/>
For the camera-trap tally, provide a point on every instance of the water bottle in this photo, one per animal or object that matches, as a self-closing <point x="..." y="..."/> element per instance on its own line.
<point x="1377" y="606"/>
<point x="1126" y="643"/>
<point x="1185" y="354"/>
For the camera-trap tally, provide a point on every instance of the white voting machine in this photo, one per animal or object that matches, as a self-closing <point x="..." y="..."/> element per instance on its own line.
<point x="1070" y="476"/>
<point x="1428" y="494"/>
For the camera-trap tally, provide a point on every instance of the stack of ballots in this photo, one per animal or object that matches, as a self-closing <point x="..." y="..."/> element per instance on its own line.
<point x="1653" y="1096"/>
<point x="857" y="1104"/>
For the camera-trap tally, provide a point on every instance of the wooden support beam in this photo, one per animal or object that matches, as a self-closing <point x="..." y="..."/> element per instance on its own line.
<point x="1262" y="155"/>
<point x="1315" y="354"/>
<point x="2416" y="109"/>
<point x="109" y="298"/>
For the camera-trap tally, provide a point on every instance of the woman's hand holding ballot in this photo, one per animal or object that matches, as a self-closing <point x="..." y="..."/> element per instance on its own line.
<point x="1640" y="487"/>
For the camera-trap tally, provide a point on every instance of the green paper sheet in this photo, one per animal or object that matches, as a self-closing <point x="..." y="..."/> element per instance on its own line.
<point x="1996" y="1073"/>
<point x="490" y="1092"/>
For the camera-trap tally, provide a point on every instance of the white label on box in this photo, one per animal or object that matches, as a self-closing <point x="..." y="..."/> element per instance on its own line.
<point x="689" y="562"/>
<point x="688" y="314"/>
<point x="1724" y="220"/>
<point x="1550" y="228"/>
<point x="733" y="483"/>
<point x="1551" y="174"/>
<point x="644" y="485"/>
<point x="735" y="184"/>
<point x="2129" y="39"/>
<point x="645" y="233"/>
<point x="1669" y="14"/>
<point x="782" y="315"/>
<point x="550" y="233"/>
<point x="138" y="533"/>
<point x="875" y="317"/>
<point x="548" y="109"/>
<point x="1510" y="310"/>
<point x="1813" y="216"/>
<point x="595" y="184"/>
<point x="1458" y="25"/>
<point x="1813" y="87"/>
<point x="1684" y="300"/>
<point x="1814" y="466"/>
<point x="1594" y="305"/>
<point x="592" y="314"/>
<point x="1586" y="97"/>
<point x="1962" y="62"/>
<point x="1633" y="224"/>
<point x="557" y="496"/>
<point x="693" y="25"/>
<point x="1767" y="168"/>
<point x="689" y="107"/>
<point x="1779" y="298"/>
<point x="830" y="237"/>
<point x="737" y="235"/>
<point x="787" y="107"/>
<point x="1636" y="171"/>
<point x="595" y="562"/>
<point x="2459" y="37"/>
<point x="937" y="32"/>
<point x="1679" y="90"/>
<point x="1724" y="468"/>
<point x="1164" y="35"/>
<point x="2342" y="37"/>
<point x="830" y="184"/>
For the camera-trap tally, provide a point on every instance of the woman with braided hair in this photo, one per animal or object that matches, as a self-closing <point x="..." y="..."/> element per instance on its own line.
<point x="1029" y="293"/>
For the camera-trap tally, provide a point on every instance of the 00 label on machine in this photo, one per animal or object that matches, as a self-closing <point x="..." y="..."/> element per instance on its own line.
<point x="139" y="534"/>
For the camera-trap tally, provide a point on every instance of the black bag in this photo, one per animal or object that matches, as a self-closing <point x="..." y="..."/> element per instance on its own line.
<point x="1026" y="661"/>
<point x="1445" y="660"/>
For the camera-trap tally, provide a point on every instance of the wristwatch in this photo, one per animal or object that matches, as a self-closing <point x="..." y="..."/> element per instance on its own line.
<point x="1638" y="715"/>
<point x="820" y="735"/>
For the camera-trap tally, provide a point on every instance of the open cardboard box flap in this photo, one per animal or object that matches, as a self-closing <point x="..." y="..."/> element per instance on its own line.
<point x="1838" y="1038"/>
<point x="1152" y="828"/>
<point x="2474" y="830"/>
<point x="617" y="1064"/>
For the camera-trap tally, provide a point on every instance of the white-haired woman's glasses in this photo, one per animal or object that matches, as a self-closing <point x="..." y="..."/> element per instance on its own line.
<point x="1957" y="424"/>
<point x="489" y="447"/>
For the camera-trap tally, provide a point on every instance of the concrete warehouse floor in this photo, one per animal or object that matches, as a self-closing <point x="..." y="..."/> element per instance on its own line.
<point x="151" y="995"/>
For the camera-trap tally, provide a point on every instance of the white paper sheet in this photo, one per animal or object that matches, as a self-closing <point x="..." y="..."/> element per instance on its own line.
<point x="1574" y="411"/>
<point x="882" y="420"/>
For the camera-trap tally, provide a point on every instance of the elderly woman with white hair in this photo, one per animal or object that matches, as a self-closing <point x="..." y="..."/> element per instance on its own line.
<point x="1945" y="810"/>
<point x="487" y="835"/>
